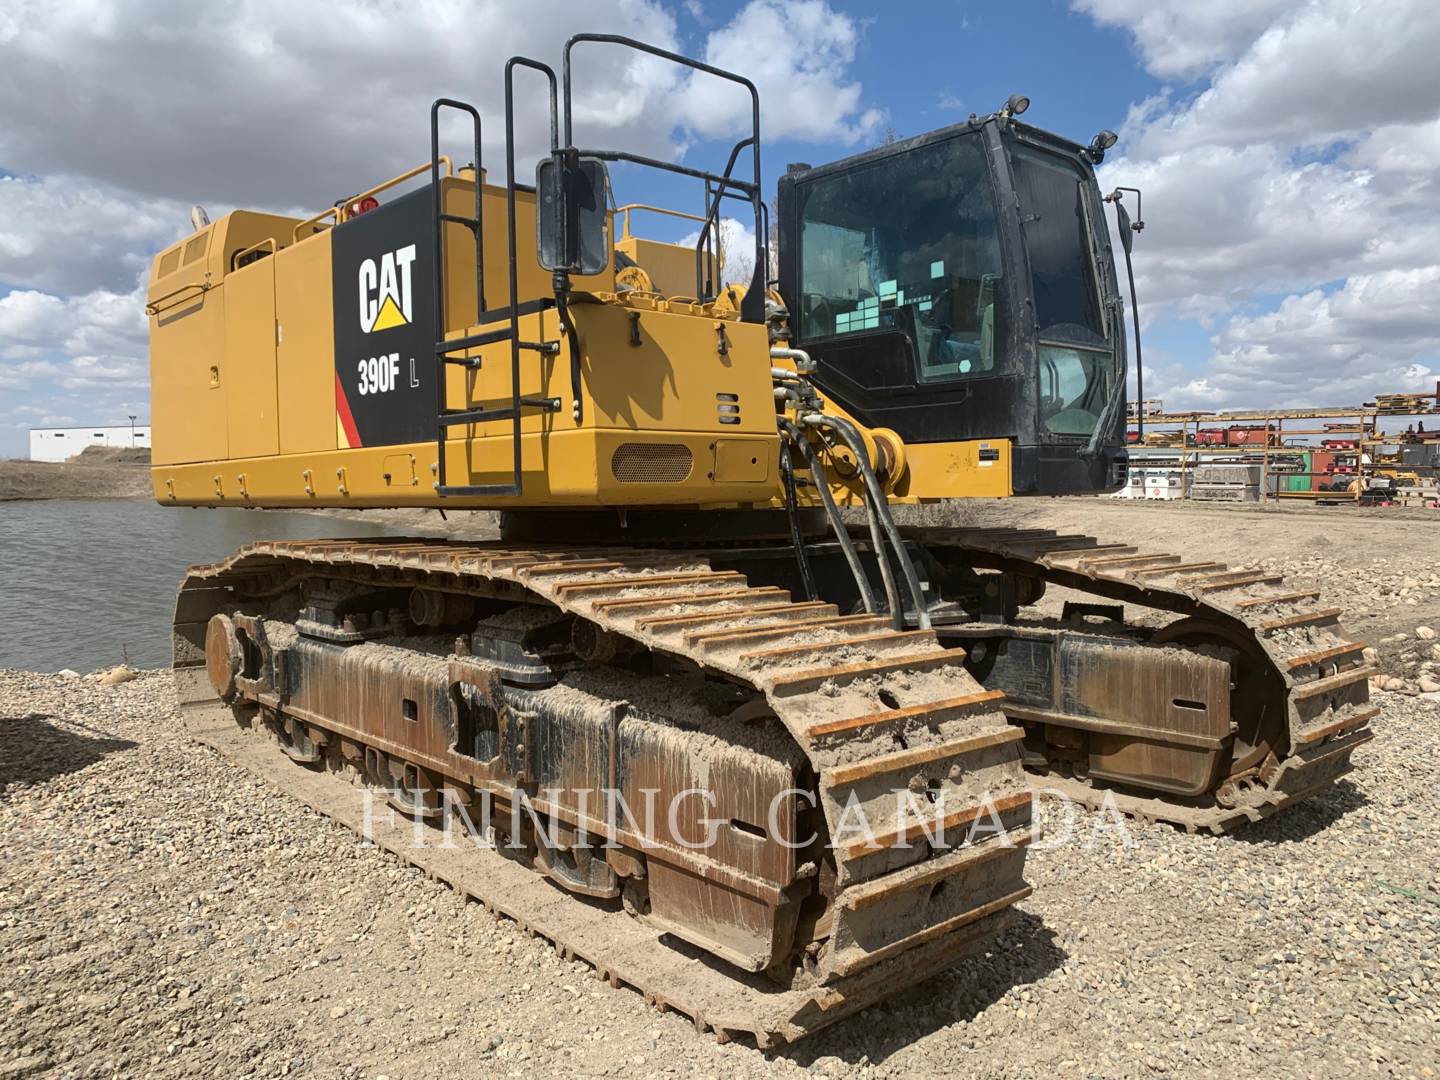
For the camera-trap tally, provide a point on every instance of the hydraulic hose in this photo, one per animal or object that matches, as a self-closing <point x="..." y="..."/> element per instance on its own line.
<point x="832" y="513"/>
<point x="803" y="363"/>
<point x="880" y="510"/>
<point x="877" y="541"/>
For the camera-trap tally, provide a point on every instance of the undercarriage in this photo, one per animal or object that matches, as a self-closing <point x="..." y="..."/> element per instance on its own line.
<point x="818" y="804"/>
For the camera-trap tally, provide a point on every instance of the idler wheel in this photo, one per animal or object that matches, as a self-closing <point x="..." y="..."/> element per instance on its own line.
<point x="224" y="656"/>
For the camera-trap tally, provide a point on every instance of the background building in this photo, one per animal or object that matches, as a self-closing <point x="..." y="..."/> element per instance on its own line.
<point x="57" y="444"/>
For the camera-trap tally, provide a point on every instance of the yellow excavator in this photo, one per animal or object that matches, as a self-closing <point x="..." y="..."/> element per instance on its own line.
<point x="700" y="603"/>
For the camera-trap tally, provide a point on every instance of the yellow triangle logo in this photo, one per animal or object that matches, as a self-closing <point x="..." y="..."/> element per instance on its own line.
<point x="389" y="316"/>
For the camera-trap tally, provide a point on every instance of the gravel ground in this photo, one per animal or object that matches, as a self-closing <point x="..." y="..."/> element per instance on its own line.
<point x="162" y="913"/>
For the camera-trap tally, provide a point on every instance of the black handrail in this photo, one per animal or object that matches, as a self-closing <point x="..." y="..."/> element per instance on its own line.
<point x="703" y="248"/>
<point x="477" y="227"/>
<point x="712" y="222"/>
<point x="560" y="282"/>
<point x="752" y="308"/>
<point x="510" y="314"/>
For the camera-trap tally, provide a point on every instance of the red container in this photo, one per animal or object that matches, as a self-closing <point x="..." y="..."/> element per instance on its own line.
<point x="1210" y="437"/>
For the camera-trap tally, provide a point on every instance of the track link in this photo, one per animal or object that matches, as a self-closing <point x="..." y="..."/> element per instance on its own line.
<point x="1325" y="679"/>
<point x="876" y="713"/>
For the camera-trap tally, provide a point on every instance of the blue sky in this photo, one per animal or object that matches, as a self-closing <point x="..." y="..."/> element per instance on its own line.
<point x="1288" y="152"/>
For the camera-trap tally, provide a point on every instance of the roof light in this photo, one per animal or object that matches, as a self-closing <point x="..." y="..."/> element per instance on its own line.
<point x="1016" y="104"/>
<point x="1103" y="141"/>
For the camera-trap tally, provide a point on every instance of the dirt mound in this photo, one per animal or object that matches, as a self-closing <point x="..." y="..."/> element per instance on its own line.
<point x="113" y="455"/>
<point x="82" y="478"/>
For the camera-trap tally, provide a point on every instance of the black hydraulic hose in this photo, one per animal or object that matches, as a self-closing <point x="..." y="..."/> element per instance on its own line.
<point x="832" y="512"/>
<point x="881" y="510"/>
<point x="807" y="578"/>
<point x="887" y="575"/>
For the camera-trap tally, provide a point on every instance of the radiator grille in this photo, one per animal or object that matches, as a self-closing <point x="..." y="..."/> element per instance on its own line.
<point x="651" y="463"/>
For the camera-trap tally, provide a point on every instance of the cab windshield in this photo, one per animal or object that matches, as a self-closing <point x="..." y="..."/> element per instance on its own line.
<point x="907" y="243"/>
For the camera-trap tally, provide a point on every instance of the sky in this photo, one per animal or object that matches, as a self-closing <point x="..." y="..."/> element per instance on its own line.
<point x="1289" y="152"/>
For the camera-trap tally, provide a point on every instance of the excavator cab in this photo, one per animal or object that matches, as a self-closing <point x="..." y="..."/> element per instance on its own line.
<point x="960" y="285"/>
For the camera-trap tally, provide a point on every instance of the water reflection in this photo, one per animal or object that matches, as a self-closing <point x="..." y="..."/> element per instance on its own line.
<point x="84" y="583"/>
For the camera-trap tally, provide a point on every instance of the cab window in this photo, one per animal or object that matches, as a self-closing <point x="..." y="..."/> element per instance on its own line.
<point x="908" y="242"/>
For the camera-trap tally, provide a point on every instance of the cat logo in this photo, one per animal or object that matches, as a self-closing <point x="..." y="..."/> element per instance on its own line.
<point x="385" y="295"/>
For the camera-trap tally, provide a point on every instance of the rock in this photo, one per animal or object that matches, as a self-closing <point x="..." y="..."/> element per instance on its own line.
<point x="1428" y="685"/>
<point x="337" y="1012"/>
<point x="68" y="673"/>
<point x="1424" y="633"/>
<point x="116" y="675"/>
<point x="24" y="1066"/>
<point x="1371" y="656"/>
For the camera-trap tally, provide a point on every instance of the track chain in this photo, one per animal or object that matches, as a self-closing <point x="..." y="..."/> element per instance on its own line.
<point x="1323" y="672"/>
<point x="879" y="713"/>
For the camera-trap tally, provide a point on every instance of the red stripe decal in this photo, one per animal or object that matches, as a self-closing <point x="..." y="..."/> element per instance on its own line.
<point x="347" y="420"/>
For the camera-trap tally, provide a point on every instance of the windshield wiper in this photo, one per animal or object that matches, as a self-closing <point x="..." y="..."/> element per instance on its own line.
<point x="1088" y="226"/>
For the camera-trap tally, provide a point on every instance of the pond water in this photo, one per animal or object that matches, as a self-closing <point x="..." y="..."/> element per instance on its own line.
<point x="89" y="583"/>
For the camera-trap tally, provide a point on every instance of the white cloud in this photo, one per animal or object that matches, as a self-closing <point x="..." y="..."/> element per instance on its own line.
<point x="737" y="242"/>
<point x="272" y="103"/>
<point x="1225" y="224"/>
<point x="72" y="234"/>
<point x="1330" y="71"/>
<point x="97" y="323"/>
<point x="92" y="346"/>
<point x="1302" y="178"/>
<point x="1327" y="349"/>
<point x="796" y="52"/>
<point x="1185" y="39"/>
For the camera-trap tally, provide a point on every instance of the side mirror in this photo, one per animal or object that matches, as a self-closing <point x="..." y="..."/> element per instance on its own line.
<point x="572" y="196"/>
<point x="1127" y="232"/>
